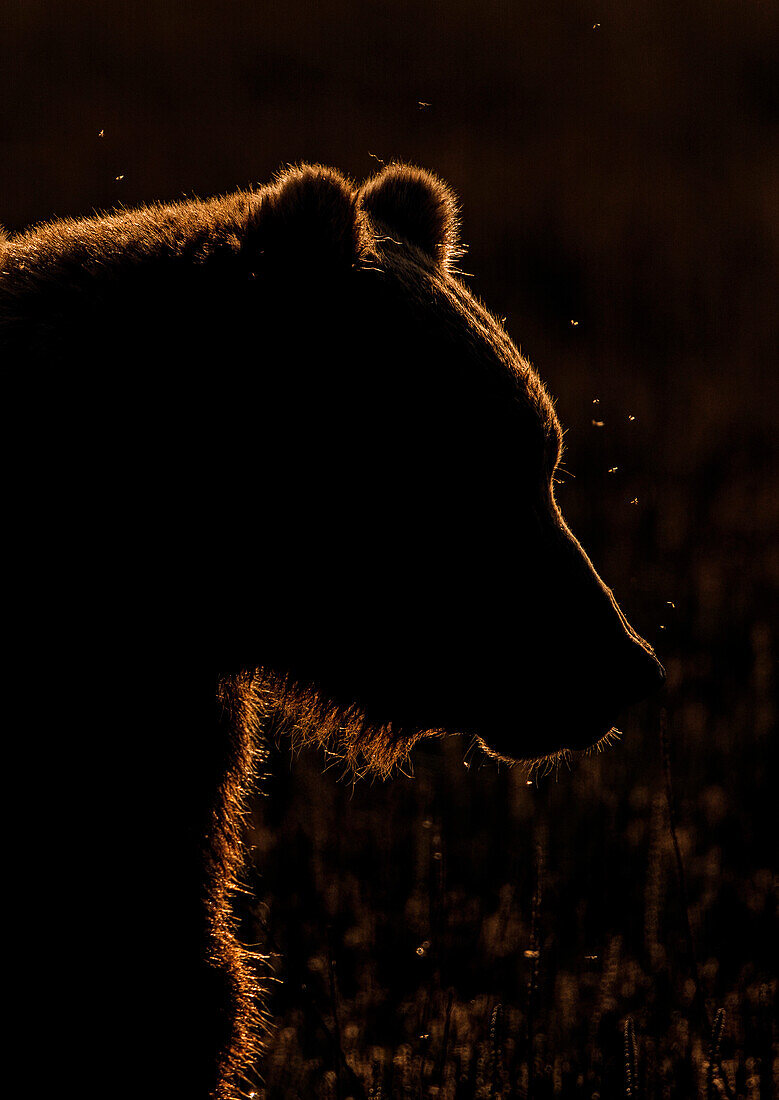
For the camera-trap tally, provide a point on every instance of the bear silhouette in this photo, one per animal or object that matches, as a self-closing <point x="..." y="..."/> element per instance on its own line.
<point x="277" y="467"/>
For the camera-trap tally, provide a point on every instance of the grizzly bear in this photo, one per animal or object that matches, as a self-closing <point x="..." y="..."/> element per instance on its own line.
<point x="277" y="469"/>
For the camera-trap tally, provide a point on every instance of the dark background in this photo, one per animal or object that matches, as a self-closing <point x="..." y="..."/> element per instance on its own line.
<point x="617" y="164"/>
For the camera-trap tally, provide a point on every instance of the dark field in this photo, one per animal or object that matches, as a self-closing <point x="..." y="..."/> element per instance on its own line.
<point x="468" y="932"/>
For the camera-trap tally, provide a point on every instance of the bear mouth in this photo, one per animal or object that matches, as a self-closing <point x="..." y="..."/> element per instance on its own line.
<point x="571" y="747"/>
<point x="541" y="765"/>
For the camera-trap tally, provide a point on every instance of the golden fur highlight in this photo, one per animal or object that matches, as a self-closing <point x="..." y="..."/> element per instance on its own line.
<point x="257" y="707"/>
<point x="418" y="206"/>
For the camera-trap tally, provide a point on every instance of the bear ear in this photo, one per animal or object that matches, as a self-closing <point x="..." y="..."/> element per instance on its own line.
<point x="416" y="205"/>
<point x="310" y="216"/>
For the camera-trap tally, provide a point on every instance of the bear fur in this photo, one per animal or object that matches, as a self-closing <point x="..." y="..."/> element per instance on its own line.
<point x="277" y="471"/>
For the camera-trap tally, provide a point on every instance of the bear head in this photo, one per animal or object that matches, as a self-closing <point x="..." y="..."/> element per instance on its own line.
<point x="296" y="440"/>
